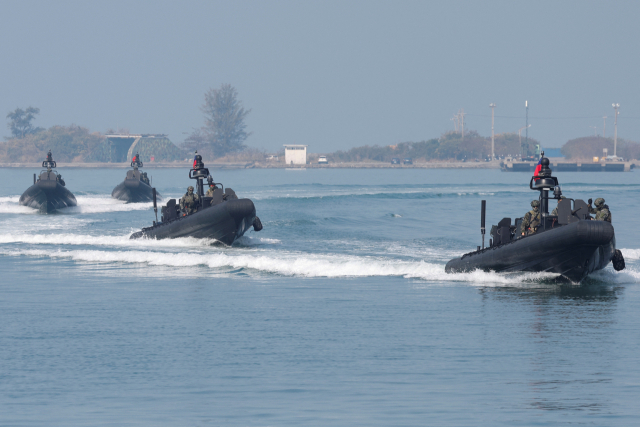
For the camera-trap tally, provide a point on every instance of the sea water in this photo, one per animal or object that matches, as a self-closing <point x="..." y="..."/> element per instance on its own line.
<point x="338" y="312"/>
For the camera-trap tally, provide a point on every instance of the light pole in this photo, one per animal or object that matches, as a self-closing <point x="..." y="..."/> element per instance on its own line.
<point x="520" y="136"/>
<point x="526" y="123"/>
<point x="493" y="154"/>
<point x="615" y="129"/>
<point x="604" y="126"/>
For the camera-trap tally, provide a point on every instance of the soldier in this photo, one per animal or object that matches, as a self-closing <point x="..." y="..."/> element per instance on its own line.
<point x="555" y="210"/>
<point x="136" y="161"/>
<point x="188" y="202"/>
<point x="531" y="220"/>
<point x="212" y="188"/>
<point x="602" y="211"/>
<point x="145" y="178"/>
<point x="60" y="180"/>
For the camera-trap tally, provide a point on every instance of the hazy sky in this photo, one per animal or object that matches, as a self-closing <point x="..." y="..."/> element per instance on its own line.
<point x="332" y="75"/>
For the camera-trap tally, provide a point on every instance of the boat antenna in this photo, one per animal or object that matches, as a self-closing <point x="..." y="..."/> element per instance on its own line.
<point x="155" y="203"/>
<point x="483" y="210"/>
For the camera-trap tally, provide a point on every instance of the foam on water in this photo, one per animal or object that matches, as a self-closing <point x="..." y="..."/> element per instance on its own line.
<point x="9" y="205"/>
<point x="121" y="241"/>
<point x="102" y="204"/>
<point x="307" y="265"/>
<point x="86" y="205"/>
<point x="631" y="253"/>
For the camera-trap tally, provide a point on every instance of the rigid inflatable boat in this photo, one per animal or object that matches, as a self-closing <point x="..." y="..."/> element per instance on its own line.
<point x="48" y="192"/>
<point x="571" y="243"/>
<point x="136" y="187"/>
<point x="223" y="217"/>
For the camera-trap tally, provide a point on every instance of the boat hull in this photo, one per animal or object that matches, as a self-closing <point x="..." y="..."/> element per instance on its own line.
<point x="131" y="191"/>
<point x="573" y="251"/>
<point x="47" y="197"/>
<point x="224" y="222"/>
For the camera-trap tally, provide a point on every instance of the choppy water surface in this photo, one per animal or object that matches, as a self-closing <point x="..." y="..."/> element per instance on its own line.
<point x="337" y="313"/>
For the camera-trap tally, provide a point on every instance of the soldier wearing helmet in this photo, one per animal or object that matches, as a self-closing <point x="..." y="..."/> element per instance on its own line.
<point x="602" y="210"/>
<point x="189" y="202"/>
<point x="531" y="220"/>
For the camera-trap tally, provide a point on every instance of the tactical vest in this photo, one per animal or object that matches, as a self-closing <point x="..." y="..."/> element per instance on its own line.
<point x="534" y="220"/>
<point x="603" y="215"/>
<point x="188" y="201"/>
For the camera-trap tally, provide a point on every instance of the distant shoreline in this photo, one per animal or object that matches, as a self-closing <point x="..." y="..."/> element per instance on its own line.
<point x="268" y="165"/>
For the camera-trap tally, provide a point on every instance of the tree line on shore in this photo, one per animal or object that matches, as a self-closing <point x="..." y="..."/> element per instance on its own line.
<point x="452" y="147"/>
<point x="224" y="132"/>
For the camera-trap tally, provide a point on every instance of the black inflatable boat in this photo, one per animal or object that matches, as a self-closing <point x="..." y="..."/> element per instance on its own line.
<point x="48" y="192"/>
<point x="223" y="217"/>
<point x="570" y="243"/>
<point x="136" y="186"/>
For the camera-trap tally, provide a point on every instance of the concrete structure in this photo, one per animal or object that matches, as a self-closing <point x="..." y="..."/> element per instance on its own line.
<point x="122" y="147"/>
<point x="295" y="154"/>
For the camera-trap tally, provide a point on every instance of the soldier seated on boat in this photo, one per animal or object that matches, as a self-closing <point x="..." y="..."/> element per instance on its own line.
<point x="189" y="202"/>
<point x="145" y="178"/>
<point x="60" y="180"/>
<point x="601" y="210"/>
<point x="531" y="220"/>
<point x="555" y="210"/>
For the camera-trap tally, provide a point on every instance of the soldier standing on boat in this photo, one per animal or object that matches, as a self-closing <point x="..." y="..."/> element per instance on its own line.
<point x="531" y="220"/>
<point x="601" y="210"/>
<point x="188" y="202"/>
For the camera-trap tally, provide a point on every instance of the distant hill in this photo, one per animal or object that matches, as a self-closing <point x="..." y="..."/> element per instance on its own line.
<point x="592" y="146"/>
<point x="450" y="146"/>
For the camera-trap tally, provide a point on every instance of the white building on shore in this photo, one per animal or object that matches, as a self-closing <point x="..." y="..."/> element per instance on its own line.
<point x="295" y="154"/>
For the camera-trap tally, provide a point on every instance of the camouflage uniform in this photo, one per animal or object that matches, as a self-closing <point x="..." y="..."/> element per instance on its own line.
<point x="60" y="180"/>
<point x="531" y="220"/>
<point x="189" y="202"/>
<point x="210" y="191"/>
<point x="145" y="178"/>
<point x="555" y="210"/>
<point x="602" y="211"/>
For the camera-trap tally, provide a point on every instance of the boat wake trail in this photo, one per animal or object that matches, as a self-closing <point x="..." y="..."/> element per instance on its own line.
<point x="256" y="262"/>
<point x="86" y="205"/>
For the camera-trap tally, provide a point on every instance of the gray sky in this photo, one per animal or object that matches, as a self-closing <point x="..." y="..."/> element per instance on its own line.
<point x="333" y="75"/>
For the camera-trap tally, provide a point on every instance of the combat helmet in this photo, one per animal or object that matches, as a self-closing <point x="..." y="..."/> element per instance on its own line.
<point x="535" y="203"/>
<point x="190" y="188"/>
<point x="599" y="201"/>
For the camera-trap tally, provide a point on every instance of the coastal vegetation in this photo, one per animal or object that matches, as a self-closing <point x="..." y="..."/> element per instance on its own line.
<point x="20" y="121"/>
<point x="592" y="146"/>
<point x="224" y="130"/>
<point x="450" y="146"/>
<point x="68" y="143"/>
